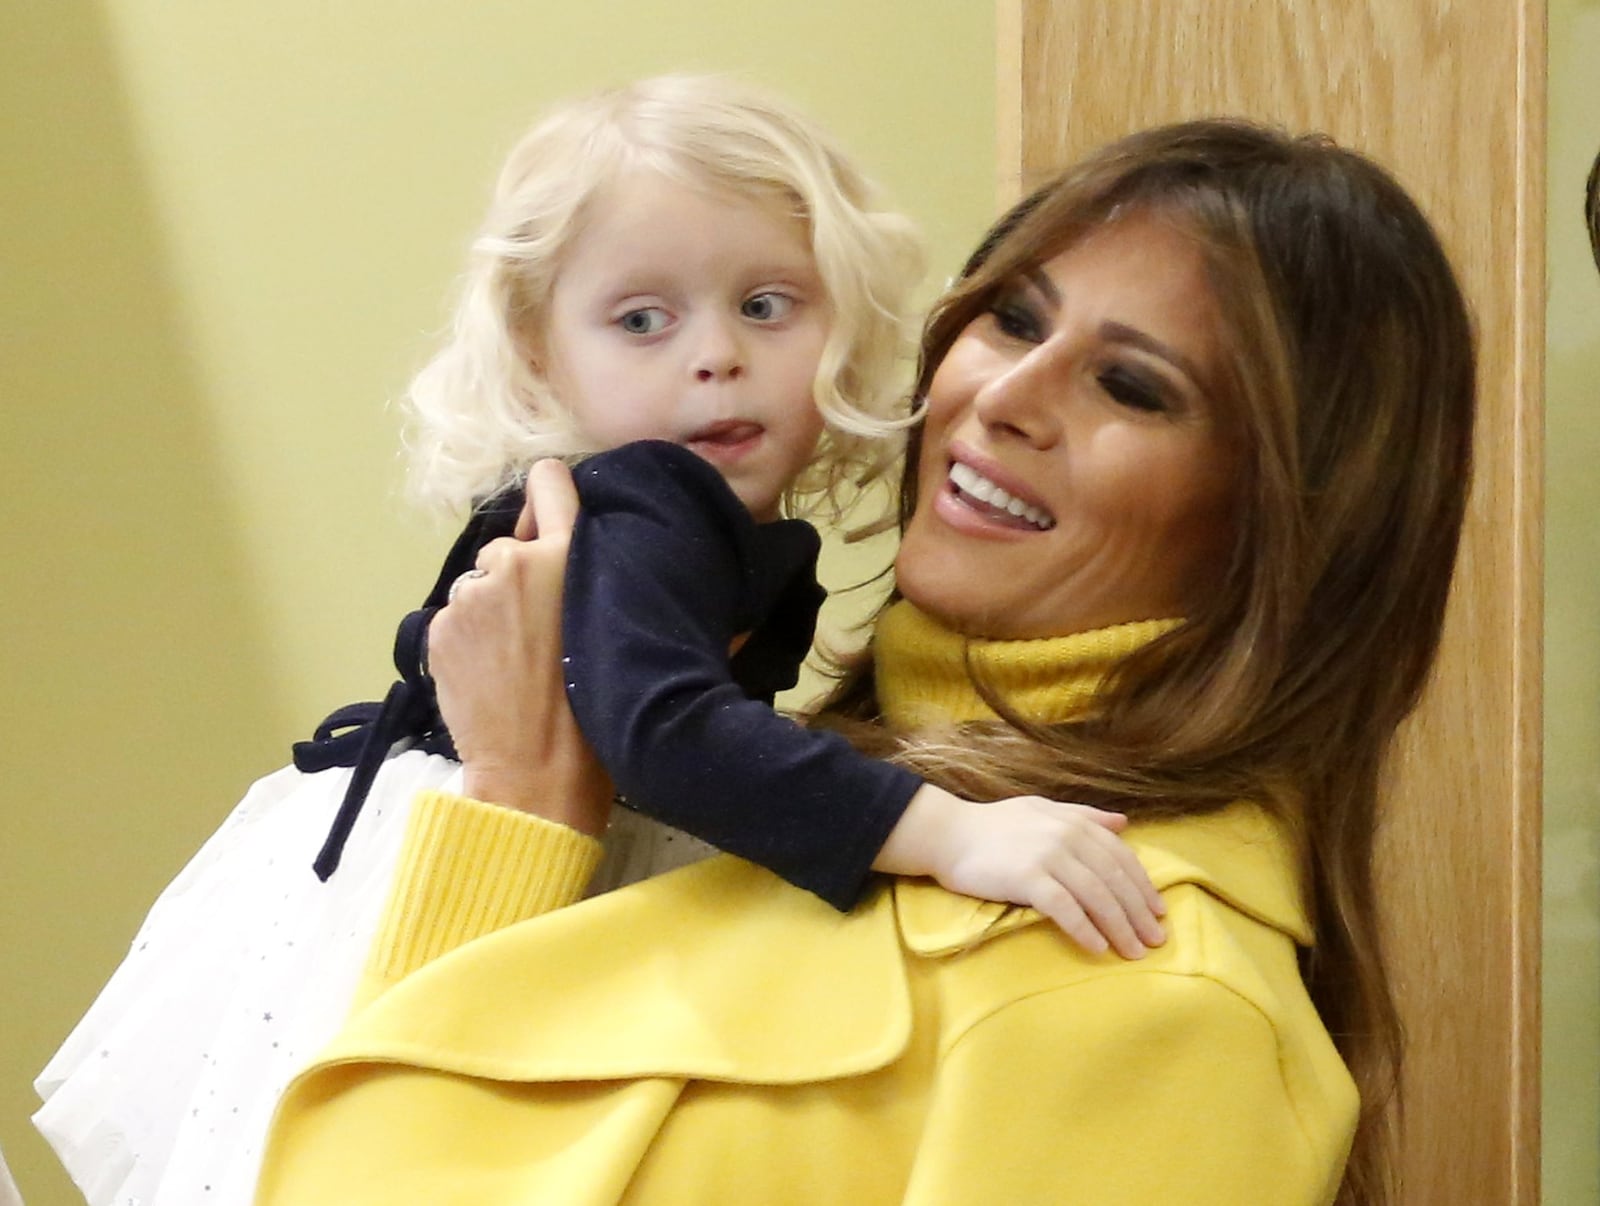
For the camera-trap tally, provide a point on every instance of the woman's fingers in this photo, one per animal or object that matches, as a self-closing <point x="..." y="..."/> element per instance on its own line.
<point x="495" y="655"/>
<point x="550" y="505"/>
<point x="537" y="552"/>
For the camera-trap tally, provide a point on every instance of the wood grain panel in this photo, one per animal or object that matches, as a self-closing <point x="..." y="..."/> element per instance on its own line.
<point x="1449" y="95"/>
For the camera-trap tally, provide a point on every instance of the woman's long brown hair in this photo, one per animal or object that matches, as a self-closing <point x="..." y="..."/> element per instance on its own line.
<point x="1350" y="382"/>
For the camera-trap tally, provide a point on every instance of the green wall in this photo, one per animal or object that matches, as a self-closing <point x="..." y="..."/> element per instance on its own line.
<point x="230" y="228"/>
<point x="1572" y="625"/>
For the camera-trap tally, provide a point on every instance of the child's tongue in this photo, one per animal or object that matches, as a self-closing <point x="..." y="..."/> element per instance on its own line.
<point x="725" y="434"/>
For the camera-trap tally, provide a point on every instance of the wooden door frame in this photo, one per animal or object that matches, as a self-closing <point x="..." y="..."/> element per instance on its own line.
<point x="1460" y="858"/>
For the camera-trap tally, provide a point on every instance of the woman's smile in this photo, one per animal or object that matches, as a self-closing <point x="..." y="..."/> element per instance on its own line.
<point x="973" y="491"/>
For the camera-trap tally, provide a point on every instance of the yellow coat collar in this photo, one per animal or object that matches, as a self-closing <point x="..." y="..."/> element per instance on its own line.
<point x="722" y="972"/>
<point x="1239" y="855"/>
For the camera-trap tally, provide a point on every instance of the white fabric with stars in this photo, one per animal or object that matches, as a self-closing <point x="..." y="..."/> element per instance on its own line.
<point x="638" y="847"/>
<point x="242" y="971"/>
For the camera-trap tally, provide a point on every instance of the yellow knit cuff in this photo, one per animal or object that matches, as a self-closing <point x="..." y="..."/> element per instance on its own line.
<point x="467" y="869"/>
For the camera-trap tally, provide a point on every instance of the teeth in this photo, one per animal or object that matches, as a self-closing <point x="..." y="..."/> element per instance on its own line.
<point x="973" y="484"/>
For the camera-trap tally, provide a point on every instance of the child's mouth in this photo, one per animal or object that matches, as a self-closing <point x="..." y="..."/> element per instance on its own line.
<point x="725" y="440"/>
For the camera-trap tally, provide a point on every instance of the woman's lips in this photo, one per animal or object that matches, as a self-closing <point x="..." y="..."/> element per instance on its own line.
<point x="967" y="487"/>
<point x="726" y="440"/>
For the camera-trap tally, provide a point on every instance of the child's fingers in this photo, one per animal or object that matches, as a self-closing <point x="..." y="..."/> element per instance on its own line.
<point x="1062" y="907"/>
<point x="1134" y="875"/>
<point x="1110" y="824"/>
<point x="1110" y="885"/>
<point x="1115" y="862"/>
<point x="551" y="505"/>
<point x="1116" y="822"/>
<point x="1138" y="882"/>
<point x="1097" y="894"/>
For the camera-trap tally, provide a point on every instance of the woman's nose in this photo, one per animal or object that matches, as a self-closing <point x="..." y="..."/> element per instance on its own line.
<point x="1023" y="398"/>
<point x="718" y="353"/>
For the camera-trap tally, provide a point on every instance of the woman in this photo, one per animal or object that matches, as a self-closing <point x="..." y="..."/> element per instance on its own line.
<point x="1178" y="532"/>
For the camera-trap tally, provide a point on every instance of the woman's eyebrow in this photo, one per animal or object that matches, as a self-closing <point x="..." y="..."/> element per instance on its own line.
<point x="1116" y="332"/>
<point x="1046" y="287"/>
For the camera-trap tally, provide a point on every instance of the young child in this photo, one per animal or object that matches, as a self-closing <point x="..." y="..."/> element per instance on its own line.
<point x="680" y="263"/>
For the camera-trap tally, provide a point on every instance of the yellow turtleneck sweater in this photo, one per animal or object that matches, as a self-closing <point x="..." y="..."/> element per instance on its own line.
<point x="925" y="673"/>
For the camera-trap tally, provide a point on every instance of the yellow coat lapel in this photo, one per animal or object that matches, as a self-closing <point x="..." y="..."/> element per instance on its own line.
<point x="547" y="1001"/>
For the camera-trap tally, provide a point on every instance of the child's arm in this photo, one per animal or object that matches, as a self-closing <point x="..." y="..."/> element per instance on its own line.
<point x="661" y="569"/>
<point x="665" y="568"/>
<point x="1065" y="860"/>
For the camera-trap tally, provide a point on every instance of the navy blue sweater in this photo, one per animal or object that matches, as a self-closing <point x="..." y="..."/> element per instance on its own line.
<point x="665" y="570"/>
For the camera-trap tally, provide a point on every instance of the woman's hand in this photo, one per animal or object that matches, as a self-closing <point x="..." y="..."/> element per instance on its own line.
<point x="1065" y="860"/>
<point x="495" y="655"/>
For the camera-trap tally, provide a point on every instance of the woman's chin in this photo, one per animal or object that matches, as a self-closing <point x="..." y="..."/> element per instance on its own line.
<point x="964" y="593"/>
<point x="958" y="606"/>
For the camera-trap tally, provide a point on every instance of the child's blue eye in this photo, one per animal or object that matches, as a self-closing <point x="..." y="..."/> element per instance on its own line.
<point x="647" y="320"/>
<point x="767" y="307"/>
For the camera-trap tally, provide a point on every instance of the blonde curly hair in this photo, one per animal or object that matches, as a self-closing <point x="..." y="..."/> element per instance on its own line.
<point x="481" y="413"/>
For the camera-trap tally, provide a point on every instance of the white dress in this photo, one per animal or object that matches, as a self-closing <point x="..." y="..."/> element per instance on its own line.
<point x="8" y="1187"/>
<point x="243" y="969"/>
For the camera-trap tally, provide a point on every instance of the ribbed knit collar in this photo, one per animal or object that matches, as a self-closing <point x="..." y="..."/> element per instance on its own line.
<point x="923" y="676"/>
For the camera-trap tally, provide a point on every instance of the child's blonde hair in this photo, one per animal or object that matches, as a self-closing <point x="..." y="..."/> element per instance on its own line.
<point x="481" y="413"/>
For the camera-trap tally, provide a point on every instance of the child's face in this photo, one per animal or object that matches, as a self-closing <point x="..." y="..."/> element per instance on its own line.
<point x="694" y="316"/>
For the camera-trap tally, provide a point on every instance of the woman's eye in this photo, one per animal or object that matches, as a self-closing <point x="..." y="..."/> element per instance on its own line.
<point x="1132" y="390"/>
<point x="767" y="307"/>
<point x="1017" y="320"/>
<point x="647" y="320"/>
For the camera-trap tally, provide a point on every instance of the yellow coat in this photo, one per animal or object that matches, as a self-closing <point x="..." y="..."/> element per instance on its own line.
<point x="716" y="1036"/>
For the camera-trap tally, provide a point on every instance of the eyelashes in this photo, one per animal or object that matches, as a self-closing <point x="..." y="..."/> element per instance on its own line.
<point x="1018" y="318"/>
<point x="769" y="307"/>
<point x="646" y="320"/>
<point x="1133" y="390"/>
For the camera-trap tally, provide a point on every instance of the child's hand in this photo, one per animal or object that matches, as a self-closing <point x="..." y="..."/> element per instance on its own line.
<point x="1065" y="860"/>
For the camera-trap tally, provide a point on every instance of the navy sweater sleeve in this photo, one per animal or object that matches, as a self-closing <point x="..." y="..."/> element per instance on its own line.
<point x="666" y="568"/>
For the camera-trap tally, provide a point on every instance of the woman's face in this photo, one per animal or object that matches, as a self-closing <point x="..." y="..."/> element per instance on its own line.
<point x="1075" y="470"/>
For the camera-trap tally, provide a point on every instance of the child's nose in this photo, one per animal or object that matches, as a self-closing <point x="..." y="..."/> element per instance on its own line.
<point x="718" y="355"/>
